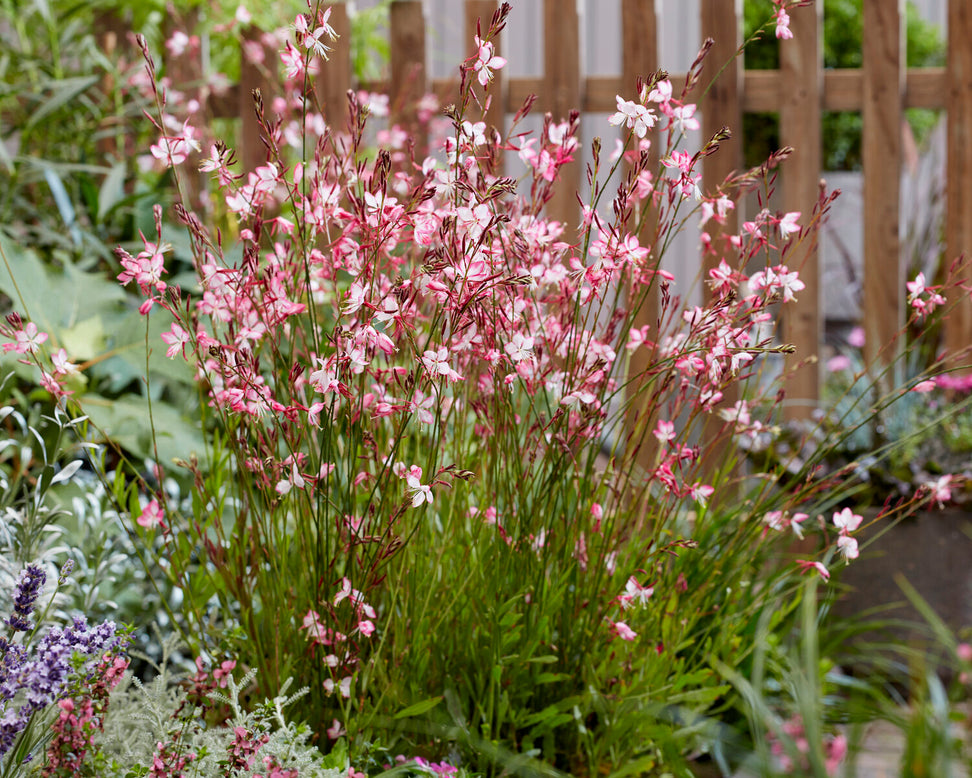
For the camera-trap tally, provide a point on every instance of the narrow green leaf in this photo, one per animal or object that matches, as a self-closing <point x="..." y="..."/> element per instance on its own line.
<point x="418" y="708"/>
<point x="66" y="90"/>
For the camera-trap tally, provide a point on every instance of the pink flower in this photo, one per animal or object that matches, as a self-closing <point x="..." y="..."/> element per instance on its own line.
<point x="336" y="730"/>
<point x="808" y="564"/>
<point x="152" y="516"/>
<point x="783" y="31"/>
<point x="788" y="224"/>
<point x="26" y="341"/>
<point x="634" y="594"/>
<point x="420" y="492"/>
<point x="665" y="431"/>
<point x="635" y="117"/>
<point x="701" y="493"/>
<point x="940" y="490"/>
<point x="177" y="338"/>
<point x="624" y="631"/>
<point x="486" y="61"/>
<point x="848" y="546"/>
<point x="847" y="521"/>
<point x="838" y="363"/>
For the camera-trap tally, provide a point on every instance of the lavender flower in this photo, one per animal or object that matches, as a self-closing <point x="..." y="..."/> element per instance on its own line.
<point x="32" y="580"/>
<point x="40" y="677"/>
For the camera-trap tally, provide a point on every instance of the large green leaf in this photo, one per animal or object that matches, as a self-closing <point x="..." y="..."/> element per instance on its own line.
<point x="126" y="422"/>
<point x="55" y="299"/>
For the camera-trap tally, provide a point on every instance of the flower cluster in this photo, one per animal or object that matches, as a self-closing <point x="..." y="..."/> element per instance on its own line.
<point x="794" y="735"/>
<point x="35" y="676"/>
<point x="846" y="521"/>
<point x="29" y="587"/>
<point x="80" y="717"/>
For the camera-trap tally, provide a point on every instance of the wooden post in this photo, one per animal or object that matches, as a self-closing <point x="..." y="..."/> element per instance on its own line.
<point x="721" y="107"/>
<point x="561" y="94"/>
<point x="408" y="74"/>
<point x="334" y="79"/>
<point x="884" y="289"/>
<point x="115" y="142"/>
<point x="802" y="75"/>
<point x="639" y="58"/>
<point x="958" y="219"/>
<point x="482" y="11"/>
<point x="252" y="152"/>
<point x="185" y="71"/>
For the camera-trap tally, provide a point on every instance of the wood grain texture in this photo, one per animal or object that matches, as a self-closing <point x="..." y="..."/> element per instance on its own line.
<point x="253" y="76"/>
<point x="721" y="106"/>
<point x="801" y="61"/>
<point x="884" y="291"/>
<point x="481" y="12"/>
<point x="335" y="77"/>
<point x="639" y="58"/>
<point x="407" y="62"/>
<point x="958" y="218"/>
<point x="559" y="95"/>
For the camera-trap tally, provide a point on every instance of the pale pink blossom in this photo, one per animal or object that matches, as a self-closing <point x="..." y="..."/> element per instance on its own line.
<point x="847" y="521"/>
<point x="623" y="631"/>
<point x="486" y="61"/>
<point x="151" y="516"/>
<point x="26" y="341"/>
<point x="635" y="117"/>
<point x="848" y="546"/>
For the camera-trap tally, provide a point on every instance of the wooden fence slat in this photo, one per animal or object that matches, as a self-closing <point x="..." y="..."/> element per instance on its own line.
<point x="958" y="218"/>
<point x="408" y="63"/>
<point x="883" y="303"/>
<point x="254" y="75"/>
<point x="722" y="105"/>
<point x="801" y="61"/>
<point x="335" y="77"/>
<point x="639" y="58"/>
<point x="721" y="20"/>
<point x="482" y="11"/>
<point x="561" y="93"/>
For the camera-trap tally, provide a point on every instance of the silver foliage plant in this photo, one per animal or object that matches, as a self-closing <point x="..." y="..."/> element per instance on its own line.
<point x="142" y="718"/>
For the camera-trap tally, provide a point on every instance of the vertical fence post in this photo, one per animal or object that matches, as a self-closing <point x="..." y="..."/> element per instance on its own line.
<point x="482" y="11"/>
<point x="722" y="105"/>
<point x="721" y="20"/>
<point x="408" y="73"/>
<point x="185" y="71"/>
<point x="958" y="219"/>
<point x="254" y="75"/>
<point x="639" y="58"/>
<point x="801" y="61"/>
<point x="883" y="306"/>
<point x="561" y="95"/>
<point x="334" y="79"/>
<point x="112" y="40"/>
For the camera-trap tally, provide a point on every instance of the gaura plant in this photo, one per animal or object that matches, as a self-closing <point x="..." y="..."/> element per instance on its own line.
<point x="459" y="480"/>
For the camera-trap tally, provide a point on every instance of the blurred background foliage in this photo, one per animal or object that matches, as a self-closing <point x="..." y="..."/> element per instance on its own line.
<point x="843" y="37"/>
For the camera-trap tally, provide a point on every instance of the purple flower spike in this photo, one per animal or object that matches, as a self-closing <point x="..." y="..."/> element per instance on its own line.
<point x="29" y="586"/>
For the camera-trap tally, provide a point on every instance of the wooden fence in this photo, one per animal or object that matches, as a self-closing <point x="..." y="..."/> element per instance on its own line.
<point x="800" y="91"/>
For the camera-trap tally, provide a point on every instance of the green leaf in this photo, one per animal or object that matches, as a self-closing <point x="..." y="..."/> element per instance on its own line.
<point x="65" y="90"/>
<point x="126" y="421"/>
<point x="548" y="659"/>
<point x="418" y="708"/>
<point x="551" y="678"/>
<point x="112" y="191"/>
